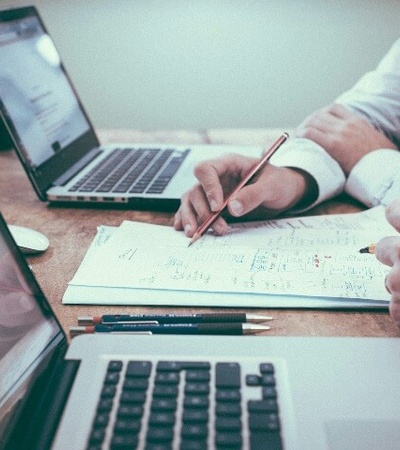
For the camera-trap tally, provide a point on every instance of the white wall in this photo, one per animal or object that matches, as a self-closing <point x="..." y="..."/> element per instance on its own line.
<point x="214" y="63"/>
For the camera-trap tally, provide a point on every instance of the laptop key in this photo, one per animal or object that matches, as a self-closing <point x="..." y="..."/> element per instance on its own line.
<point x="194" y="430"/>
<point x="193" y="444"/>
<point x="227" y="375"/>
<point x="195" y="415"/>
<point x="160" y="434"/>
<point x="230" y="440"/>
<point x="266" y="422"/>
<point x="126" y="410"/>
<point x="265" y="440"/>
<point x="258" y="406"/>
<point x="138" y="369"/>
<point x="124" y="441"/>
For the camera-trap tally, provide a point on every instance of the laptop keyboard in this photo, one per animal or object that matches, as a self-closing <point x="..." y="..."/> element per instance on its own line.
<point x="130" y="170"/>
<point x="186" y="405"/>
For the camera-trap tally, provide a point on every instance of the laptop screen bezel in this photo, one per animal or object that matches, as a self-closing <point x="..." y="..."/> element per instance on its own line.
<point x="43" y="177"/>
<point x="55" y="347"/>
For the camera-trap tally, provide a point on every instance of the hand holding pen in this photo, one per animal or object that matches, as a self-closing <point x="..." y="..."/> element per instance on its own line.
<point x="272" y="191"/>
<point x="254" y="171"/>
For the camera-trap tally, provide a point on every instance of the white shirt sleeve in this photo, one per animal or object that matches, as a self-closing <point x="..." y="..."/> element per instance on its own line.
<point x="375" y="179"/>
<point x="306" y="155"/>
<point x="376" y="96"/>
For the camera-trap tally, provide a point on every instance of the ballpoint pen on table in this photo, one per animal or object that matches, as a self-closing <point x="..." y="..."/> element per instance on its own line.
<point x="172" y="318"/>
<point x="253" y="172"/>
<point x="188" y="328"/>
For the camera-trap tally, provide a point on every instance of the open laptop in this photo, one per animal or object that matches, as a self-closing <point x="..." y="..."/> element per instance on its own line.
<point x="120" y="391"/>
<point x="56" y="142"/>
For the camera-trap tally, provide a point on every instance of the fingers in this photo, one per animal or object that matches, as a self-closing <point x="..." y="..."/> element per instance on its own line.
<point x="193" y="211"/>
<point x="323" y="120"/>
<point x="209" y="176"/>
<point x="339" y="111"/>
<point x="392" y="283"/>
<point x="393" y="214"/>
<point x="277" y="189"/>
<point x="216" y="178"/>
<point x="274" y="190"/>
<point x="262" y="191"/>
<point x="387" y="250"/>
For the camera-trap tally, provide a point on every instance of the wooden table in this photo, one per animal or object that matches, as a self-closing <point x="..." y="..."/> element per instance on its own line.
<point x="71" y="230"/>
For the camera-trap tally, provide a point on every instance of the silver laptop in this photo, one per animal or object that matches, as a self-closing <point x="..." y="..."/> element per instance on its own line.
<point x="56" y="142"/>
<point x="121" y="391"/>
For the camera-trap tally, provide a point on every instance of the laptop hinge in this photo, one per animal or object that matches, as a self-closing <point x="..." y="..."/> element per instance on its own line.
<point x="54" y="402"/>
<point x="77" y="167"/>
<point x="38" y="416"/>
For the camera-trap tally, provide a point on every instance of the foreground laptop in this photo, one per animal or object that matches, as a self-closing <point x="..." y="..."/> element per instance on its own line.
<point x="56" y="142"/>
<point x="184" y="392"/>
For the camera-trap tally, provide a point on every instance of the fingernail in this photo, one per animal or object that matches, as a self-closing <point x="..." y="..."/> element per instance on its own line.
<point x="213" y="205"/>
<point x="236" y="207"/>
<point x="219" y="229"/>
<point x="188" y="228"/>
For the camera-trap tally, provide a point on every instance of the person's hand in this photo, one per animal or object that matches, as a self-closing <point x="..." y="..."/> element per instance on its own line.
<point x="343" y="134"/>
<point x="276" y="189"/>
<point x="388" y="252"/>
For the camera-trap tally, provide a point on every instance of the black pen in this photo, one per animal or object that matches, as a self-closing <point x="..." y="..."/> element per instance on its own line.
<point x="172" y="318"/>
<point x="187" y="328"/>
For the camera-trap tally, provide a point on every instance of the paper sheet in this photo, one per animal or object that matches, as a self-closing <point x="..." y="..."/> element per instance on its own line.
<point x="315" y="257"/>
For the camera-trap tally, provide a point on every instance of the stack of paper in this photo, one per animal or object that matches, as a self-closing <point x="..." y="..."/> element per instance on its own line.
<point x="297" y="262"/>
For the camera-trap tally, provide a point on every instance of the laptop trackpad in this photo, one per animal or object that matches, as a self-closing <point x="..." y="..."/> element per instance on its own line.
<point x="363" y="434"/>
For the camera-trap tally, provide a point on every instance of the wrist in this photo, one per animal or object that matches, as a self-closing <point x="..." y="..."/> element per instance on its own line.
<point x="305" y="188"/>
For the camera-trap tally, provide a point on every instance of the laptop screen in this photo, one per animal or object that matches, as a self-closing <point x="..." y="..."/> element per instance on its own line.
<point x="50" y="129"/>
<point x="35" y="92"/>
<point x="28" y="329"/>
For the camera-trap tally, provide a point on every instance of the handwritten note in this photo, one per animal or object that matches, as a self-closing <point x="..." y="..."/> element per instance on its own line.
<point x="269" y="258"/>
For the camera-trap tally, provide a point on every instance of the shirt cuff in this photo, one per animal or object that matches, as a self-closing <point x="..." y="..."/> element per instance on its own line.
<point x="306" y="155"/>
<point x="375" y="179"/>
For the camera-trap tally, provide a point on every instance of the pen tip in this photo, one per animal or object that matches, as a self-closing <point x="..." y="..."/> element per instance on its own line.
<point x="75" y="331"/>
<point x="369" y="249"/>
<point x="250" y="329"/>
<point x="257" y="318"/>
<point x="195" y="238"/>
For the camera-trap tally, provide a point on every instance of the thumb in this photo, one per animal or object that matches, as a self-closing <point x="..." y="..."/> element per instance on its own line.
<point x="393" y="214"/>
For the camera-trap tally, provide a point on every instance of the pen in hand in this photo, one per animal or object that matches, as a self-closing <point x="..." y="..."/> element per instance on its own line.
<point x="253" y="172"/>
